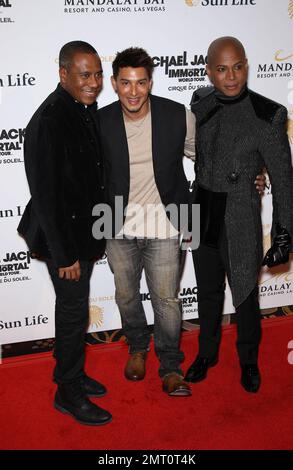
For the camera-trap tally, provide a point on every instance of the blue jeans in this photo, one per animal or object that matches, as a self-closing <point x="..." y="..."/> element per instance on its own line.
<point x="160" y="259"/>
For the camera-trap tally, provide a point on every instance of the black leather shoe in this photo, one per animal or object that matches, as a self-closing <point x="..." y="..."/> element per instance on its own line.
<point x="250" y="377"/>
<point x="71" y="399"/>
<point x="199" y="368"/>
<point x="92" y="387"/>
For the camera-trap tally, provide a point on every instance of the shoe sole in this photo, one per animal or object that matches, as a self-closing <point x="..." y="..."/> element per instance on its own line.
<point x="181" y="393"/>
<point x="134" y="379"/>
<point x="95" y="395"/>
<point x="250" y="390"/>
<point x="66" y="412"/>
<point x="213" y="364"/>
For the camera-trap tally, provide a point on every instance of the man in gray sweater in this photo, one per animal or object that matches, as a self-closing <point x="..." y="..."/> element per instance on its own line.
<point x="238" y="133"/>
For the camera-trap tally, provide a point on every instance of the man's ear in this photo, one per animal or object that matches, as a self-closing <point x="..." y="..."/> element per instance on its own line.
<point x="63" y="75"/>
<point x="114" y="84"/>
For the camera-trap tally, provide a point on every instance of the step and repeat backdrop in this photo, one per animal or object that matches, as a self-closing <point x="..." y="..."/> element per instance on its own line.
<point x="176" y="33"/>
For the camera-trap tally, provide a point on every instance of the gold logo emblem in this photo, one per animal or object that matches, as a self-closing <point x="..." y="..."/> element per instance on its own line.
<point x="282" y="277"/>
<point x="290" y="9"/>
<point x="96" y="316"/>
<point x="290" y="130"/>
<point x="193" y="3"/>
<point x="277" y="54"/>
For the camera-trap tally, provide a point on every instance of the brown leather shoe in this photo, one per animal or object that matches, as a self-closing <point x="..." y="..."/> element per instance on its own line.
<point x="135" y="367"/>
<point x="174" y="385"/>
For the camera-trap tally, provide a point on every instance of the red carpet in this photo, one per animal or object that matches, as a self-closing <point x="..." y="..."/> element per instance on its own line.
<point x="219" y="415"/>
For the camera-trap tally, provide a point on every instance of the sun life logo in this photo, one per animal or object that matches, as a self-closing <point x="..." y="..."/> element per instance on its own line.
<point x="290" y="9"/>
<point x="193" y="3"/>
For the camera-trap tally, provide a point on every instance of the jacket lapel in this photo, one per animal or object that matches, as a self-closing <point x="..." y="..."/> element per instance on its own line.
<point x="121" y="140"/>
<point x="156" y="129"/>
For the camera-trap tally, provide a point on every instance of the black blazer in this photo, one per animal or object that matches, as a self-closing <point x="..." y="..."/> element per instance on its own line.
<point x="64" y="175"/>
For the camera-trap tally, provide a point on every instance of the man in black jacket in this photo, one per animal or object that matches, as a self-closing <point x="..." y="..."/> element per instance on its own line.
<point x="238" y="133"/>
<point x="63" y="169"/>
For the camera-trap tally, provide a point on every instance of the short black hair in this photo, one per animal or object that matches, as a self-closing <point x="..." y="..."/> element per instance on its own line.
<point x="133" y="57"/>
<point x="70" y="49"/>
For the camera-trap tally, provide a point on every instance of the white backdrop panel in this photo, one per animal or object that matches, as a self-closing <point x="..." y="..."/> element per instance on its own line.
<point x="176" y="33"/>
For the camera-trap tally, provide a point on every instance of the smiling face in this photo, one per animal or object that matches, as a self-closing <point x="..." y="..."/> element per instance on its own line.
<point x="227" y="69"/>
<point x="84" y="78"/>
<point x="133" y="86"/>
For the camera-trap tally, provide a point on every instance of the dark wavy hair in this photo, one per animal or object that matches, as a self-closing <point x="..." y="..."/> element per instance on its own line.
<point x="133" y="57"/>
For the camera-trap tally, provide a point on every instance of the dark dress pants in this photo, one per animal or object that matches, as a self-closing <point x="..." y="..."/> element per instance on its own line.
<point x="71" y="321"/>
<point x="211" y="264"/>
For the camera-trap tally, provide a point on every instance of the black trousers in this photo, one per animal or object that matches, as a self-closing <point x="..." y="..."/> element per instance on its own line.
<point x="211" y="264"/>
<point x="71" y="321"/>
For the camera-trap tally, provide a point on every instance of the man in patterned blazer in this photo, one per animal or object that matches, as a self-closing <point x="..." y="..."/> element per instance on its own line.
<point x="238" y="133"/>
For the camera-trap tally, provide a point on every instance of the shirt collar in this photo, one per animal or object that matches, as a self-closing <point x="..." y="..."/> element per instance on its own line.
<point x="231" y="99"/>
<point x="69" y="98"/>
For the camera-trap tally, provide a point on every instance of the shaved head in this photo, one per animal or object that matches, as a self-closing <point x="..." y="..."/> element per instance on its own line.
<point x="227" y="65"/>
<point x="218" y="45"/>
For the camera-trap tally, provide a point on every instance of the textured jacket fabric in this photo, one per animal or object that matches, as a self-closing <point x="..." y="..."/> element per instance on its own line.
<point x="63" y="170"/>
<point x="168" y="136"/>
<point x="236" y="139"/>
